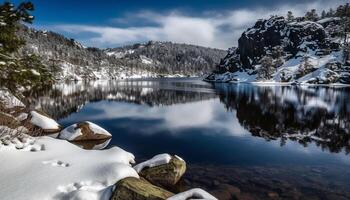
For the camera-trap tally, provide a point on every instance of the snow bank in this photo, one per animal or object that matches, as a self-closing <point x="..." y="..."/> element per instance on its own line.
<point x="43" y="121"/>
<point x="195" y="193"/>
<point x="56" y="169"/>
<point x="157" y="160"/>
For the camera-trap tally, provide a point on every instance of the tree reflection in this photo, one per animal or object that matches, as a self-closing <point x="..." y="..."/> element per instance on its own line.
<point x="304" y="114"/>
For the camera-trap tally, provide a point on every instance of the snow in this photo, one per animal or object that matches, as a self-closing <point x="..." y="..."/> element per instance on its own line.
<point x="48" y="168"/>
<point x="97" y="129"/>
<point x="9" y="100"/>
<point x="157" y="160"/>
<point x="146" y="60"/>
<point x="72" y="132"/>
<point x="35" y="72"/>
<point x="328" y="19"/>
<point x="22" y="116"/>
<point x="43" y="121"/>
<point x="195" y="193"/>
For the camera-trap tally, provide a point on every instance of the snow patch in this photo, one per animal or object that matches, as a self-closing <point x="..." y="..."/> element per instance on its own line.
<point x="157" y="160"/>
<point x="43" y="121"/>
<point x="195" y="193"/>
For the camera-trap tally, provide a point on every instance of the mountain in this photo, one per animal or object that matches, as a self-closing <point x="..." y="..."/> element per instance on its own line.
<point x="293" y="51"/>
<point x="168" y="57"/>
<point x="67" y="59"/>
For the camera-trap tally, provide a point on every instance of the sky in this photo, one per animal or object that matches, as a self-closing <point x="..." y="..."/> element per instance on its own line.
<point x="209" y="23"/>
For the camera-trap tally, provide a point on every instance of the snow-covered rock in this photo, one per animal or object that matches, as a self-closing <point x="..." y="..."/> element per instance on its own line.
<point x="43" y="121"/>
<point x="195" y="193"/>
<point x="9" y="100"/>
<point x="157" y="160"/>
<point x="84" y="131"/>
<point x="162" y="170"/>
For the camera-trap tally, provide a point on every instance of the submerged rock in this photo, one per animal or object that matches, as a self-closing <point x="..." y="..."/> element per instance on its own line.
<point x="138" y="189"/>
<point x="165" y="175"/>
<point x="84" y="131"/>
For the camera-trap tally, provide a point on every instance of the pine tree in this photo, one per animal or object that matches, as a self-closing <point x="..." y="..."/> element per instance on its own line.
<point x="323" y="14"/>
<point x="290" y="16"/>
<point x="312" y="15"/>
<point x="266" y="69"/>
<point x="10" y="18"/>
<point x="17" y="71"/>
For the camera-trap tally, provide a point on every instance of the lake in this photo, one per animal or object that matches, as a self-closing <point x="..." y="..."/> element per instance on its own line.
<point x="257" y="142"/>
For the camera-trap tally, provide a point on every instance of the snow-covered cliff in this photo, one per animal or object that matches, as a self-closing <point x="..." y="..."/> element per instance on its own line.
<point x="297" y="51"/>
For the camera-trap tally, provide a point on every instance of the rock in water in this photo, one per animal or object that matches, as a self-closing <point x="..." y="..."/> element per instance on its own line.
<point x="138" y="189"/>
<point x="165" y="175"/>
<point x="84" y="131"/>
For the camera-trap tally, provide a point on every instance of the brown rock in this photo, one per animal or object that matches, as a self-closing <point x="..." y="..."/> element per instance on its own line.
<point x="138" y="189"/>
<point x="166" y="175"/>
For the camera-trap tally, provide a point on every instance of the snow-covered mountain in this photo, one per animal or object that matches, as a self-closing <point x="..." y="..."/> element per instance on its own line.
<point x="67" y="59"/>
<point x="168" y="58"/>
<point x="292" y="51"/>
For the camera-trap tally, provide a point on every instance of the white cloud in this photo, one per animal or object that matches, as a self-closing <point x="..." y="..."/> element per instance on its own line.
<point x="219" y="30"/>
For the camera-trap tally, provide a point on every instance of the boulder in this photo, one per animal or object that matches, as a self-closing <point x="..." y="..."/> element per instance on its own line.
<point x="138" y="189"/>
<point x="165" y="175"/>
<point x="84" y="131"/>
<point x="39" y="123"/>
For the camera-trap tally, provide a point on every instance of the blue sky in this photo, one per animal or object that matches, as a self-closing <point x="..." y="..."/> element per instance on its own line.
<point x="111" y="23"/>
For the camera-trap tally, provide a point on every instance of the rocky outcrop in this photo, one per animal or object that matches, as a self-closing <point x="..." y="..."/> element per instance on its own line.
<point x="138" y="189"/>
<point x="165" y="175"/>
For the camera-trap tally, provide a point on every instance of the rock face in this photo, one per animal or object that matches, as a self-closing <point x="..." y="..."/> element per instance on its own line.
<point x="84" y="131"/>
<point x="255" y="42"/>
<point x="165" y="175"/>
<point x="287" y="51"/>
<point x="138" y="189"/>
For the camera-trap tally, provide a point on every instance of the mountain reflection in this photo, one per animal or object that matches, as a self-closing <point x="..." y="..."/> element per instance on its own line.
<point x="303" y="114"/>
<point x="66" y="98"/>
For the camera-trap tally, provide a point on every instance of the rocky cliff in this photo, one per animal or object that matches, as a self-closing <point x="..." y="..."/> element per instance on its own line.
<point x="280" y="50"/>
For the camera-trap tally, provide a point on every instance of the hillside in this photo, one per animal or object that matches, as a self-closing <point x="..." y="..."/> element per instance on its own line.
<point x="67" y="59"/>
<point x="298" y="50"/>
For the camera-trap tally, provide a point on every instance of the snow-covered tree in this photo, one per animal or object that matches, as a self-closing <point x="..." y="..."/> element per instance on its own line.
<point x="290" y="16"/>
<point x="266" y="68"/>
<point x="312" y="15"/>
<point x="18" y="71"/>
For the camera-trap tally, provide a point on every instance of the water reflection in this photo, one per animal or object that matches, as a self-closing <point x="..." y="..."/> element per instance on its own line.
<point x="93" y="144"/>
<point x="310" y="114"/>
<point x="230" y="134"/>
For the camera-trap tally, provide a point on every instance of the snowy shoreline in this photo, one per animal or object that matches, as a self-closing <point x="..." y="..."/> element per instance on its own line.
<point x="274" y="83"/>
<point x="68" y="171"/>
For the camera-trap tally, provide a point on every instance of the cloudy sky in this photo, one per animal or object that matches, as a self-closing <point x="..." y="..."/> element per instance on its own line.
<point x="211" y="23"/>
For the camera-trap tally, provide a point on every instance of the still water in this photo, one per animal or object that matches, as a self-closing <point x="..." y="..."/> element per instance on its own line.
<point x="239" y="140"/>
